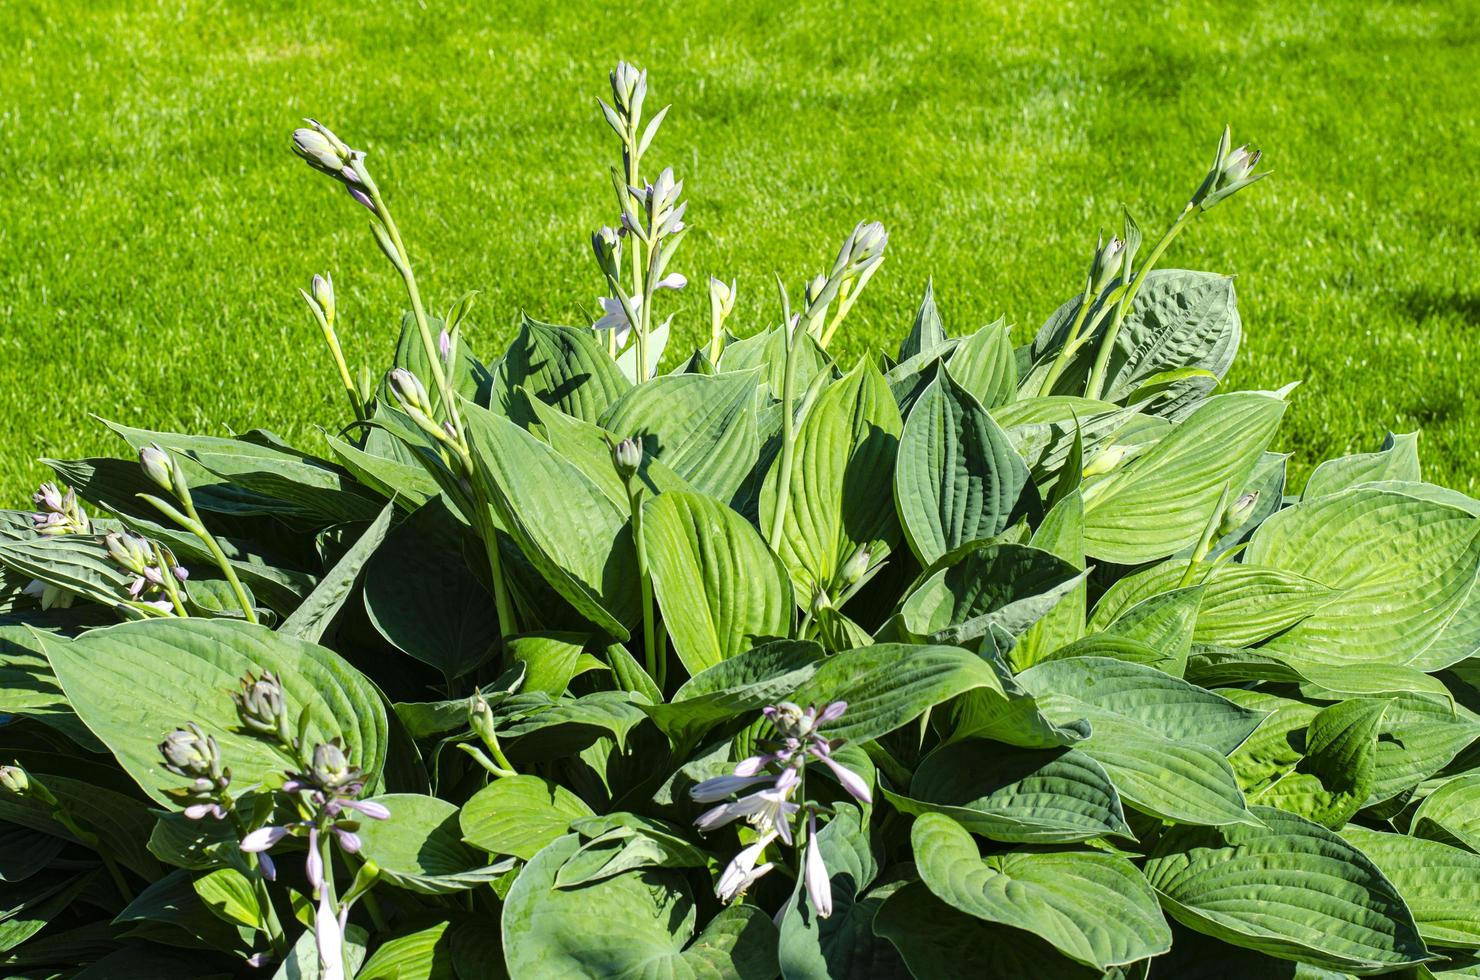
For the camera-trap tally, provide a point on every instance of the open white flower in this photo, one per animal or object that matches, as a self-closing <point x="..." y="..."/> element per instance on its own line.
<point x="614" y="316"/>
<point x="742" y="871"/>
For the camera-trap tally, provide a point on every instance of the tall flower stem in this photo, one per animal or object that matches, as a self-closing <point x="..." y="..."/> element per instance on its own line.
<point x="1096" y="382"/>
<point x="1069" y="346"/>
<point x="644" y="575"/>
<point x="788" y="429"/>
<point x="198" y="527"/>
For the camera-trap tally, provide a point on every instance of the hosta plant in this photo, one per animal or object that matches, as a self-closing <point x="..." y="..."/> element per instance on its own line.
<point x="597" y="658"/>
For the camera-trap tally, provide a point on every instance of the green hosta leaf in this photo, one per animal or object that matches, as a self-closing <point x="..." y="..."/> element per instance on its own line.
<point x="420" y="847"/>
<point x="1338" y="768"/>
<point x="937" y="940"/>
<point x="404" y="481"/>
<point x="984" y="365"/>
<point x="1277" y="745"/>
<point x="467" y="377"/>
<point x="635" y="924"/>
<point x="657" y="342"/>
<point x="767" y="351"/>
<point x="589" y="447"/>
<point x="424" y="954"/>
<point x="839" y="499"/>
<point x="1451" y="813"/>
<point x="133" y="683"/>
<point x="422" y="598"/>
<point x="1291" y="889"/>
<point x="1184" y="781"/>
<point x="76" y="563"/>
<point x="957" y="478"/>
<point x="745" y="682"/>
<point x="1028" y="796"/>
<point x="1405" y="567"/>
<point x="518" y="815"/>
<point x="578" y="540"/>
<point x="1165" y="622"/>
<point x="1094" y="908"/>
<point x="302" y="961"/>
<point x="1441" y="884"/>
<point x="1117" y="648"/>
<point x="564" y="726"/>
<point x="561" y="366"/>
<point x="702" y="427"/>
<point x="23" y="852"/>
<point x="1167" y="705"/>
<point x="887" y="685"/>
<point x="1160" y="502"/>
<point x="842" y="945"/>
<point x="721" y="590"/>
<point x="551" y="659"/>
<point x="1060" y="534"/>
<point x="625" y="842"/>
<point x="29" y="689"/>
<point x="1397" y="460"/>
<point x="1241" y="604"/>
<point x="1418" y="737"/>
<point x="170" y="906"/>
<point x="230" y="897"/>
<point x="928" y="333"/>
<point x="1011" y="586"/>
<point x="310" y="619"/>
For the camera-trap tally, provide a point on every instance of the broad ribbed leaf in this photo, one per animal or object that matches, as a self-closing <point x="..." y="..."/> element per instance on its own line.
<point x="1404" y="566"/>
<point x="1291" y="889"/>
<point x="1241" y="604"/>
<point x="420" y="847"/>
<point x="1167" y="705"/>
<point x="1337" y="769"/>
<point x="984" y="365"/>
<point x="518" y="815"/>
<point x="745" y="682"/>
<point x="1165" y="622"/>
<point x="1451" y="813"/>
<point x="721" y="590"/>
<point x="1441" y="884"/>
<point x="314" y="615"/>
<point x="938" y="940"/>
<point x="637" y="924"/>
<point x="1029" y="796"/>
<point x="957" y="478"/>
<point x="561" y="366"/>
<point x="839" y="500"/>
<point x="1397" y="460"/>
<point x="1009" y="585"/>
<point x="1418" y="737"/>
<point x="1060" y="534"/>
<point x="702" y="427"/>
<point x="1094" y="908"/>
<point x="1179" y="780"/>
<point x="132" y="683"/>
<point x="1160" y="502"/>
<point x="573" y="534"/>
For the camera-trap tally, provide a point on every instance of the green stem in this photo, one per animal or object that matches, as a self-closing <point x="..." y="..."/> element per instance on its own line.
<point x="644" y="575"/>
<point x="167" y="576"/>
<point x="1107" y="343"/>
<point x="1062" y="359"/>
<point x="268" y="919"/>
<point x="198" y="528"/>
<point x="332" y="339"/>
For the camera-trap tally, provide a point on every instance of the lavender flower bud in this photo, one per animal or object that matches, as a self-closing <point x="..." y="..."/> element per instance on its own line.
<point x="856" y="566"/>
<point x="819" y="884"/>
<point x="48" y="497"/>
<point x="1237" y="513"/>
<point x="1109" y="258"/>
<point x="321" y="148"/>
<point x="627" y="457"/>
<point x="158" y="466"/>
<point x="191" y="753"/>
<point x="865" y="246"/>
<point x="262" y="707"/>
<point x="409" y="391"/>
<point x="1231" y="172"/>
<point x="331" y="766"/>
<point x="606" y="244"/>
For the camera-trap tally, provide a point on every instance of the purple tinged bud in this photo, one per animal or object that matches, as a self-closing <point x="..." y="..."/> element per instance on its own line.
<point x="313" y="865"/>
<point x="322" y="290"/>
<point x="819" y="885"/>
<point x="349" y="841"/>
<point x="627" y="457"/>
<point x="369" y="808"/>
<point x="444" y="345"/>
<point x="360" y="196"/>
<point x="851" y="781"/>
<point x="409" y="390"/>
<point x="832" y="712"/>
<point x="158" y="466"/>
<point x="263" y="838"/>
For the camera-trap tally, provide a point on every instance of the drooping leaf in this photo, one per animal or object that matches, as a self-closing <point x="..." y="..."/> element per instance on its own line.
<point x="518" y="815"/>
<point x="420" y="847"/>
<point x="1337" y="769"/>
<point x="1028" y="796"/>
<point x="1095" y="908"/>
<point x="1414" y="560"/>
<point x="1289" y="888"/>
<point x="1396" y="460"/>
<point x="194" y="665"/>
<point x="1451" y="813"/>
<point x="310" y="619"/>
<point x="1440" y="884"/>
<point x="646" y="923"/>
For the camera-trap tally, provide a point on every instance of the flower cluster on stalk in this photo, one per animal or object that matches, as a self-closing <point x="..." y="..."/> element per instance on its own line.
<point x="148" y="564"/>
<point x="58" y="512"/>
<point x="768" y="783"/>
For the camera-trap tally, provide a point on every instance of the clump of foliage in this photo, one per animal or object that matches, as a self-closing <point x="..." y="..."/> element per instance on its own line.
<point x="961" y="660"/>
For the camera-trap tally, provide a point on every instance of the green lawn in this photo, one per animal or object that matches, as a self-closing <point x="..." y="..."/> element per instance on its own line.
<point x="154" y="226"/>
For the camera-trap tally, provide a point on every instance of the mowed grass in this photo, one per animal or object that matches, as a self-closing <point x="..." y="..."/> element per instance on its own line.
<point x="154" y="227"/>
